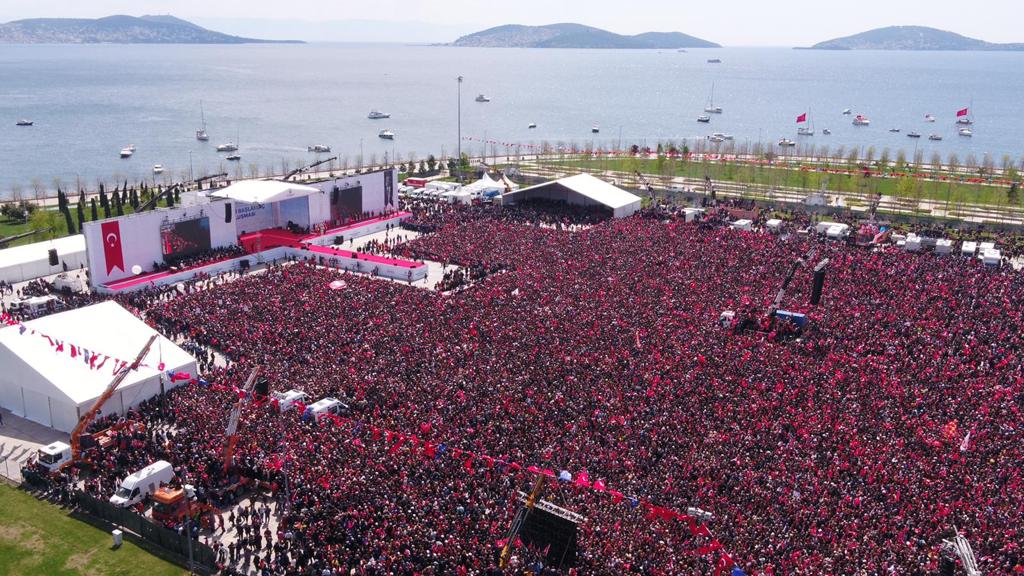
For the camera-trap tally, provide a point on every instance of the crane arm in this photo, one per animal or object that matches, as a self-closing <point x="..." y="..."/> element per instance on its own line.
<point x="88" y="417"/>
<point x="231" y="433"/>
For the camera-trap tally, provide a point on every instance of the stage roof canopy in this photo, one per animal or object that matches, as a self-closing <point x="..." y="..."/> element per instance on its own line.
<point x="264" y="191"/>
<point x="582" y="189"/>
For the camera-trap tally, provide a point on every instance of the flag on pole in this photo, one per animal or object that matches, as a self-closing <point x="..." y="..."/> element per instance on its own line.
<point x="961" y="113"/>
<point x="801" y="118"/>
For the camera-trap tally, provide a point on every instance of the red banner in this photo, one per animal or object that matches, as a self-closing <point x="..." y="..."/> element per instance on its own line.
<point x="962" y="112"/>
<point x="801" y="118"/>
<point x="112" y="245"/>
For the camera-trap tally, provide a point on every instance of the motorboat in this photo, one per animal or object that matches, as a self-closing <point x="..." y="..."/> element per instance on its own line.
<point x="965" y="132"/>
<point x="127" y="152"/>
<point x="386" y="135"/>
<point x="595" y="129"/>
<point x="24" y="122"/>
<point x="861" y="121"/>
<point x="894" y="130"/>
<point x="929" y="118"/>
<point x="201" y="134"/>
<point x="723" y="136"/>
<point x="378" y="115"/>
<point x="716" y="139"/>
<point x="158" y="168"/>
<point x="532" y="125"/>
<point x="482" y="98"/>
<point x="711" y="108"/>
<point x="704" y="118"/>
<point x="913" y="135"/>
<point x="786" y="142"/>
<point x="318" y="148"/>
<point x="826" y="131"/>
<point x="233" y="158"/>
<point x="935" y="137"/>
<point x="805" y="131"/>
<point x="131" y="147"/>
<point x="714" y="61"/>
<point x="846" y="112"/>
<point x="964" y="120"/>
<point x="229" y="147"/>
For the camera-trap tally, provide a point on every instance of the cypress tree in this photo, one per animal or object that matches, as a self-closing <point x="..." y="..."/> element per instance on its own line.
<point x="95" y="213"/>
<point x="118" y="206"/>
<point x="70" y="223"/>
<point x="81" y="215"/>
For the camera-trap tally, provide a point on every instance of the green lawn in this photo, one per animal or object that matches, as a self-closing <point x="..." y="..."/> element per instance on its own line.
<point x="38" y="538"/>
<point x="808" y="179"/>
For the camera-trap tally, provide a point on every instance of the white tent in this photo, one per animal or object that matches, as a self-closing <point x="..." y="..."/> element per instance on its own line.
<point x="582" y="189"/>
<point x="264" y="191"/>
<point x="32" y="261"/>
<point x="54" y="389"/>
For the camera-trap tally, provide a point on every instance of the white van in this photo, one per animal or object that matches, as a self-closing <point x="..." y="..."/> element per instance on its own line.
<point x="326" y="406"/>
<point x="286" y="400"/>
<point x="142" y="483"/>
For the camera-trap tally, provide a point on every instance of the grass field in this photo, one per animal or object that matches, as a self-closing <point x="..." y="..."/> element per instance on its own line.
<point x="794" y="178"/>
<point x="38" y="538"/>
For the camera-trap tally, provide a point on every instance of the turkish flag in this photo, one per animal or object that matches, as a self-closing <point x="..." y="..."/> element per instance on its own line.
<point x="801" y="118"/>
<point x="962" y="112"/>
<point x="112" y="245"/>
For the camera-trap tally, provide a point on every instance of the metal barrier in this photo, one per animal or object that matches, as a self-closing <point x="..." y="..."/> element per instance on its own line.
<point x="169" y="540"/>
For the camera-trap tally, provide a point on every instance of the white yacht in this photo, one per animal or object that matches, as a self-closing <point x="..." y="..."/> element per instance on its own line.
<point x="127" y="151"/>
<point x="233" y="158"/>
<point x="711" y="108"/>
<point x="158" y="168"/>
<point x="229" y="147"/>
<point x="929" y="118"/>
<point x="319" y="148"/>
<point x="723" y="136"/>
<point x="786" y="142"/>
<point x="386" y="135"/>
<point x="716" y="139"/>
<point x="704" y="118"/>
<point x="595" y="129"/>
<point x="861" y="121"/>
<point x="846" y="112"/>
<point x="935" y="137"/>
<point x="965" y="132"/>
<point x="894" y="130"/>
<point x="913" y="135"/>
<point x="201" y="134"/>
<point x="378" y="115"/>
<point x="805" y="131"/>
<point x="482" y="98"/>
<point x="24" y="122"/>
<point x="532" y="125"/>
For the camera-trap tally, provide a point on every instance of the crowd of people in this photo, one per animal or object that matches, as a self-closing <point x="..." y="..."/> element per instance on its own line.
<point x="201" y="258"/>
<point x="851" y="450"/>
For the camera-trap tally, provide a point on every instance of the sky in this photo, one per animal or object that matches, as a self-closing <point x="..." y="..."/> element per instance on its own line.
<point x="728" y="22"/>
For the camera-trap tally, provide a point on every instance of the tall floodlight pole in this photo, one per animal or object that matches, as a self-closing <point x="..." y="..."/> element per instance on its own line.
<point x="458" y="161"/>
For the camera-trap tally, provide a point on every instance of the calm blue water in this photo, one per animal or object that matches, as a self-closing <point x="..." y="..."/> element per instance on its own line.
<point x="89" y="101"/>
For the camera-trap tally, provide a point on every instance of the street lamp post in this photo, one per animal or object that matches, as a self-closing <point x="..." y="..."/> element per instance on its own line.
<point x="190" y="175"/>
<point x="458" y="161"/>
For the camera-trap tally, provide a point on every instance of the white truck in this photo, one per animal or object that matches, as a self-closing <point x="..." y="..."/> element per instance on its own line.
<point x="54" y="456"/>
<point x="286" y="400"/>
<point x="143" y="483"/>
<point x="326" y="406"/>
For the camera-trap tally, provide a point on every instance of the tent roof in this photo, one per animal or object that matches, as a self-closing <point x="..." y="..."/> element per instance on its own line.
<point x="104" y="328"/>
<point x="36" y="251"/>
<point x="594" y="188"/>
<point x="264" y="191"/>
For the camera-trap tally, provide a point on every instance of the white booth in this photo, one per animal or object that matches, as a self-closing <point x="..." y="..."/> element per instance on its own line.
<point x="968" y="248"/>
<point x="943" y="246"/>
<point x="838" y="231"/>
<point x="774" y="225"/>
<point x="744" y="224"/>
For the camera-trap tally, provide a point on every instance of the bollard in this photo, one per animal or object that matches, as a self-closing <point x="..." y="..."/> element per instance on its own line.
<point x="118" y="535"/>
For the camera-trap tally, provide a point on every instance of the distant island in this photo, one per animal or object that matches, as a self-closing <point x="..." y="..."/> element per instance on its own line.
<point x="911" y="38"/>
<point x="117" y="30"/>
<point x="576" y="36"/>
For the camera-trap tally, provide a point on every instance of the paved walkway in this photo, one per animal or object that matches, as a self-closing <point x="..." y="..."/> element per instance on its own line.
<point x="20" y="438"/>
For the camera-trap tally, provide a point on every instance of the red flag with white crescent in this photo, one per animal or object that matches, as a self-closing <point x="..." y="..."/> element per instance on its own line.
<point x="962" y="112"/>
<point x="112" y="245"/>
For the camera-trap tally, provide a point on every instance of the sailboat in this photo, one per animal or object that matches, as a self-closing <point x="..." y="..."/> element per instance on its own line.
<point x="201" y="133"/>
<point x="711" y="108"/>
<point x="808" y="128"/>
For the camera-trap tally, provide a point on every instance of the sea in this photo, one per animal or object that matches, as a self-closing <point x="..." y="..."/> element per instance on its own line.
<point x="89" y="101"/>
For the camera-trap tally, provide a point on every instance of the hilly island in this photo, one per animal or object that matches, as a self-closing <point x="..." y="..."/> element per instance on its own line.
<point x="576" y="36"/>
<point x="117" y="30"/>
<point x="911" y="38"/>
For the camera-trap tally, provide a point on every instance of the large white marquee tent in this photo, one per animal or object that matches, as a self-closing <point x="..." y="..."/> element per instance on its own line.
<point x="581" y="189"/>
<point x="54" y="389"/>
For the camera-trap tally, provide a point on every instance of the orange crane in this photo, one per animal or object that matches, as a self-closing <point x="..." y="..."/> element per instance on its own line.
<point x="88" y="417"/>
<point x="231" y="434"/>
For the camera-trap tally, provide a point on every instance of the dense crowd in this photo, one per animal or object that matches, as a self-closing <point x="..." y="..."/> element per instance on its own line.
<point x="201" y="258"/>
<point x="853" y="450"/>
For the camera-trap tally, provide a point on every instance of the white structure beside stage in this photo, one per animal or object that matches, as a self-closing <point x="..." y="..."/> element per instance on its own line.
<point x="32" y="261"/>
<point x="582" y="189"/>
<point x="54" y="389"/>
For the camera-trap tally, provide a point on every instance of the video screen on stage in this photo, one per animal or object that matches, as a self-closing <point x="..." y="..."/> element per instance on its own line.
<point x="346" y="203"/>
<point x="182" y="239"/>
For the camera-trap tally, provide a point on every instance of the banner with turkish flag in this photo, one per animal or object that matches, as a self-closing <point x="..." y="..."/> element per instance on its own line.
<point x="801" y="118"/>
<point x="112" y="253"/>
<point x="961" y="113"/>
